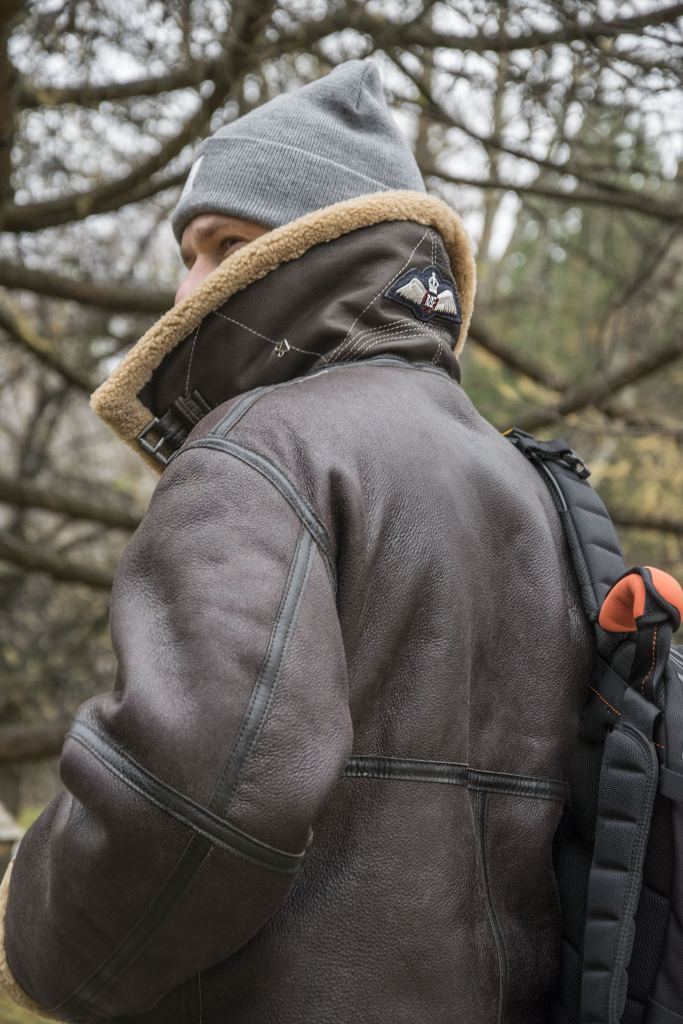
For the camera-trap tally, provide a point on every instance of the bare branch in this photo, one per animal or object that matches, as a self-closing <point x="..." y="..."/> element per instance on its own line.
<point x="637" y="201"/>
<point x="31" y="742"/>
<point x="31" y="495"/>
<point x="88" y="293"/>
<point x="32" y="96"/>
<point x="131" y="187"/>
<point x="35" y="559"/>
<point x="11" y="10"/>
<point x="598" y="388"/>
<point x="21" y="332"/>
<point x="493" y="141"/>
<point x="416" y="33"/>
<point x="514" y="360"/>
<point x="52" y="213"/>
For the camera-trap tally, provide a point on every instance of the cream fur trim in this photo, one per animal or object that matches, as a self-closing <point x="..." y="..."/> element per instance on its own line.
<point x="116" y="400"/>
<point x="7" y="983"/>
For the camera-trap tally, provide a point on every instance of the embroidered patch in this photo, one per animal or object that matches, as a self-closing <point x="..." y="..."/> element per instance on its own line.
<point x="428" y="293"/>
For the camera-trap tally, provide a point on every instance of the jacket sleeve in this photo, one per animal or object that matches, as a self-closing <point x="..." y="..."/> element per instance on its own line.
<point x="191" y="788"/>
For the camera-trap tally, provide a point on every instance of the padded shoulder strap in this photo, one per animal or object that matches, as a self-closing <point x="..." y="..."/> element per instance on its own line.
<point x="592" y="539"/>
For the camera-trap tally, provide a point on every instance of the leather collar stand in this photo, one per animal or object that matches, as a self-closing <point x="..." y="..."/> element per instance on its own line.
<point x="320" y="301"/>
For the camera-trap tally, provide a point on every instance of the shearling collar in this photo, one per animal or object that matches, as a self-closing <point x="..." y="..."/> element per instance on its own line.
<point x="343" y="283"/>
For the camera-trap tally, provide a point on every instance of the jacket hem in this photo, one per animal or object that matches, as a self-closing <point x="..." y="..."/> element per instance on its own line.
<point x="8" y="984"/>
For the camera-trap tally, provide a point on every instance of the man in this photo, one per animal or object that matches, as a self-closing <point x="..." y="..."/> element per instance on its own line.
<point x="325" y="785"/>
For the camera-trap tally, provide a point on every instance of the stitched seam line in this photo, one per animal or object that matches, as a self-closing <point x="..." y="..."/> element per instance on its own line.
<point x="225" y="785"/>
<point x="605" y="701"/>
<point x="189" y="362"/>
<point x="224" y="426"/>
<point x="237" y="412"/>
<point x="384" y="359"/>
<point x="299" y="585"/>
<point x="456" y="774"/>
<point x="124" y="953"/>
<point x="226" y="782"/>
<point x="415" y="331"/>
<point x="186" y="867"/>
<point x="654" y="658"/>
<point x="266" y="681"/>
<point x="493" y="918"/>
<point x="282" y="483"/>
<point x="246" y="327"/>
<point x="195" y="817"/>
<point x="336" y="352"/>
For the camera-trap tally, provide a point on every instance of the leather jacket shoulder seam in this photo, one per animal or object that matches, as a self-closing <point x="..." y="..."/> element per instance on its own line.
<point x="282" y="483"/>
<point x="246" y="401"/>
<point x="263" y="691"/>
<point x="199" y="819"/>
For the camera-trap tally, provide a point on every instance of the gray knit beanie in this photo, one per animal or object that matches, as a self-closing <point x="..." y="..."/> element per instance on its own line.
<point x="329" y="140"/>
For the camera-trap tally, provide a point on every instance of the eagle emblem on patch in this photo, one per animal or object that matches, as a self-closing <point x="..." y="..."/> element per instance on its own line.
<point x="428" y="293"/>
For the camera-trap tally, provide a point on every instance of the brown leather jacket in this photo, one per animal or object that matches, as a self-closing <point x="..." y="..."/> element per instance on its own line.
<point x="351" y="660"/>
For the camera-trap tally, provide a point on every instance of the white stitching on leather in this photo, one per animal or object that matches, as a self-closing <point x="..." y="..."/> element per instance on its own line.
<point x="411" y="330"/>
<point x="384" y="330"/>
<point x="194" y="342"/>
<point x="371" y="332"/>
<point x="224" y="316"/>
<point x="437" y="354"/>
<point x="414" y="333"/>
<point x="336" y="353"/>
<point x="246" y="327"/>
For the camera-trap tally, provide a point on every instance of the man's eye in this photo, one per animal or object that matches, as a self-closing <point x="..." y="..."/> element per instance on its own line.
<point x="226" y="243"/>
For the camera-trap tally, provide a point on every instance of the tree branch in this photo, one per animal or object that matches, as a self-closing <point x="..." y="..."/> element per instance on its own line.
<point x="493" y="141"/>
<point x="596" y="389"/>
<point x="31" y="495"/>
<point x="514" y="360"/>
<point x="416" y="33"/>
<point x="135" y="185"/>
<point x="31" y="742"/>
<point x="671" y="212"/>
<point x="31" y="96"/>
<point x="88" y="293"/>
<point x="52" y="213"/>
<point x="21" y="332"/>
<point x="8" y="76"/>
<point x="34" y="559"/>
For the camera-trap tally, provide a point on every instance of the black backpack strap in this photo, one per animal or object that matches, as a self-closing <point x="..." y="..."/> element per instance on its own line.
<point x="628" y="784"/>
<point x="592" y="539"/>
<point x="629" y="771"/>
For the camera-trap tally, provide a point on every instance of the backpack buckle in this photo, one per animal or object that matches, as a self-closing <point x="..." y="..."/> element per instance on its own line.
<point x="557" y="450"/>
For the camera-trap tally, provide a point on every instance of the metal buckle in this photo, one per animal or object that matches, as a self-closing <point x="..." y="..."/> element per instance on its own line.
<point x="153" y="449"/>
<point x="577" y="464"/>
<point x="174" y="426"/>
<point x="556" y="450"/>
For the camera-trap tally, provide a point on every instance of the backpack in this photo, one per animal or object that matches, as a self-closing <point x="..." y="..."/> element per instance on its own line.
<point x="618" y="849"/>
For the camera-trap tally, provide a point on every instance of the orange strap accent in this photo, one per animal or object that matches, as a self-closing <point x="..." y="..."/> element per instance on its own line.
<point x="625" y="602"/>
